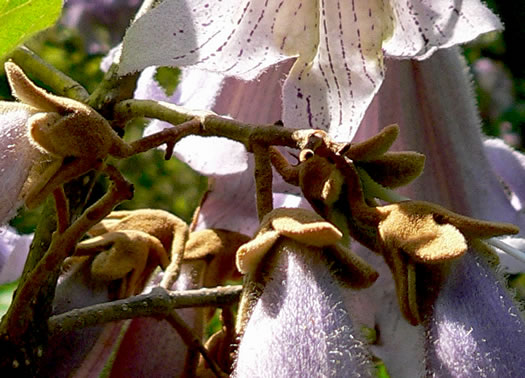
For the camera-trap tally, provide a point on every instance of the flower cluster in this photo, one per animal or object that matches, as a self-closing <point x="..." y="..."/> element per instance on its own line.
<point x="339" y="271"/>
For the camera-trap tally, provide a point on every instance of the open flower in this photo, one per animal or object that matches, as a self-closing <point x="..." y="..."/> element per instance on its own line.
<point x="432" y="102"/>
<point x="339" y="46"/>
<point x="293" y="306"/>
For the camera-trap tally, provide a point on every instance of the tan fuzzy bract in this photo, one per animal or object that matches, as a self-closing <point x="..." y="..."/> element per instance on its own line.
<point x="159" y="223"/>
<point x="418" y="235"/>
<point x="129" y="255"/>
<point x="374" y="147"/>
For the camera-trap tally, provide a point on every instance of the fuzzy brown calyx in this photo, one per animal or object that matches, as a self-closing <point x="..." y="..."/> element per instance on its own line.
<point x="306" y="228"/>
<point x="63" y="127"/>
<point x="419" y="232"/>
<point x="169" y="229"/>
<point x="129" y="256"/>
<point x="394" y="169"/>
<point x="218" y="247"/>
<point x="159" y="223"/>
<point x="374" y="147"/>
<point x="430" y="233"/>
<point x="72" y="136"/>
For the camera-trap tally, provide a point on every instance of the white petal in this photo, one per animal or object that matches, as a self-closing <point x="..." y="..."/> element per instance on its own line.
<point x="16" y="156"/>
<point x="231" y="37"/>
<point x="223" y="156"/>
<point x="197" y="90"/>
<point x="423" y="26"/>
<point x="508" y="165"/>
<point x="333" y="92"/>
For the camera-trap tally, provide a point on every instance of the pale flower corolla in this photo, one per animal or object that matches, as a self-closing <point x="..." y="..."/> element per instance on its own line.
<point x="17" y="155"/>
<point x="13" y="253"/>
<point x="433" y="103"/>
<point x="339" y="46"/>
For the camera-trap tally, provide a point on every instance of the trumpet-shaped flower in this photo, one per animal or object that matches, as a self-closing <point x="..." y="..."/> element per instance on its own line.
<point x="435" y="109"/>
<point x="17" y="155"/>
<point x="339" y="46"/>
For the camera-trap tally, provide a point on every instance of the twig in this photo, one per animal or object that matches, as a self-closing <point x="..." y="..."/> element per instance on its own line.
<point x="169" y="136"/>
<point x="193" y="342"/>
<point x="212" y="124"/>
<point x="61" y="84"/>
<point x="61" y="209"/>
<point x="21" y="313"/>
<point x="263" y="180"/>
<point x="159" y="302"/>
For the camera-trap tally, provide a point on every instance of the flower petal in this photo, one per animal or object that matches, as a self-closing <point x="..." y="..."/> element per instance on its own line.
<point x="299" y="326"/>
<point x="423" y="26"/>
<point x="231" y="37"/>
<point x="13" y="253"/>
<point x="16" y="156"/>
<point x="87" y="348"/>
<point x="469" y="333"/>
<point x="333" y="91"/>
<point x="509" y="165"/>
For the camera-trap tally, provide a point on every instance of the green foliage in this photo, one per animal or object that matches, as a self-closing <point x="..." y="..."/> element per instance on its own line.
<point x="168" y="79"/>
<point x="6" y="294"/>
<point x="21" y="19"/>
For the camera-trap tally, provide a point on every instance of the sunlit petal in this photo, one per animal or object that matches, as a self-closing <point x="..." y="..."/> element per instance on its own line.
<point x="299" y="325"/>
<point x="423" y="26"/>
<point x="16" y="156"/>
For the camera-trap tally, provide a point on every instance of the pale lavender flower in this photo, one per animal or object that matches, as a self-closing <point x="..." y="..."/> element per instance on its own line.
<point x="16" y="157"/>
<point x="474" y="327"/>
<point x="13" y="253"/>
<point x="339" y="46"/>
<point x="432" y="102"/>
<point x="300" y="327"/>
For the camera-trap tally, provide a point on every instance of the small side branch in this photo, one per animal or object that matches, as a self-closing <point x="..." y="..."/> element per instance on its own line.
<point x="168" y="136"/>
<point x="211" y="123"/>
<point x="159" y="302"/>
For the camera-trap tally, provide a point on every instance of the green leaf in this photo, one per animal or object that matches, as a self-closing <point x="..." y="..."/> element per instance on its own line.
<point x="21" y="19"/>
<point x="6" y="295"/>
